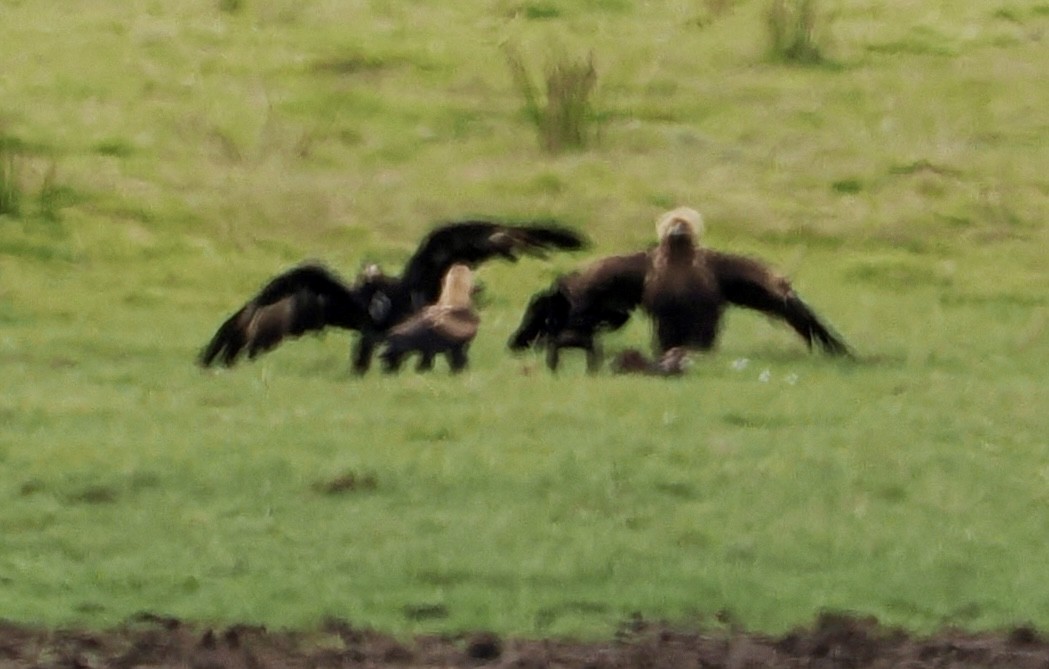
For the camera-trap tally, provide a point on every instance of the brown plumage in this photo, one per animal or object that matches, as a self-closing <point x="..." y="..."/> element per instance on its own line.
<point x="683" y="286"/>
<point x="681" y="291"/>
<point x="688" y="287"/>
<point x="304" y="299"/>
<point x="447" y="327"/>
<point x="312" y="298"/>
<point x="578" y="306"/>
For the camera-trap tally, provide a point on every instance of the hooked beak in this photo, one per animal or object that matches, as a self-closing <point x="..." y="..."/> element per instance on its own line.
<point x="678" y="229"/>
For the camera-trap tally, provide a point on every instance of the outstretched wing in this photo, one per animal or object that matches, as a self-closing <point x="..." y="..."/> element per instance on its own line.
<point x="473" y="242"/>
<point x="602" y="295"/>
<point x="303" y="299"/>
<point x="749" y="283"/>
<point x="613" y="284"/>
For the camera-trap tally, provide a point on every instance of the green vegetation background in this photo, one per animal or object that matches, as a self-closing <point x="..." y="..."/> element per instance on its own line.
<point x="163" y="159"/>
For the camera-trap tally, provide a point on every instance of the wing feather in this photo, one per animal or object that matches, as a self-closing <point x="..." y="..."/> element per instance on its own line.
<point x="749" y="283"/>
<point x="304" y="299"/>
<point x="600" y="296"/>
<point x="472" y="242"/>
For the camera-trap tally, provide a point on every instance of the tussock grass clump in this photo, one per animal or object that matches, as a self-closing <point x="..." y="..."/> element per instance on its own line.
<point x="794" y="32"/>
<point x="564" y="119"/>
<point x="15" y="165"/>
<point x="29" y="186"/>
<point x="231" y="6"/>
<point x="10" y="187"/>
<point x="52" y="196"/>
<point x="712" y="10"/>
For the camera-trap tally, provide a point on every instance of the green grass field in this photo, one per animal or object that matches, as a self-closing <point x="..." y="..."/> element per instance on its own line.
<point x="164" y="159"/>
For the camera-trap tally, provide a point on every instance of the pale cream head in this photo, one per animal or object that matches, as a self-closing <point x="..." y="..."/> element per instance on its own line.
<point x="457" y="287"/>
<point x="371" y="272"/>
<point x="690" y="217"/>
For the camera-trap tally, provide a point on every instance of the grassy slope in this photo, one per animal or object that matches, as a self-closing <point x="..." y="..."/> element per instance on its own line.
<point x="197" y="152"/>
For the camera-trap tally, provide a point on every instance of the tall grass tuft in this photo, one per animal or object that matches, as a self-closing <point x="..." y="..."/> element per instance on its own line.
<point x="712" y="10"/>
<point x="564" y="119"/>
<point x="231" y="6"/>
<point x="50" y="195"/>
<point x="793" y="30"/>
<point x="10" y="187"/>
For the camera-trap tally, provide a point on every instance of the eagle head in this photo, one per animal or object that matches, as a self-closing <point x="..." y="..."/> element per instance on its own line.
<point x="679" y="223"/>
<point x="457" y="288"/>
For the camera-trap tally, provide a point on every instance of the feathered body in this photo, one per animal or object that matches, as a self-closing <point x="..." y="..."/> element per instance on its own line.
<point x="578" y="306"/>
<point x="446" y="327"/>
<point x="681" y="291"/>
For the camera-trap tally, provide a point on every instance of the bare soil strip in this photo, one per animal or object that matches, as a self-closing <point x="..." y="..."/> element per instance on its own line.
<point x="832" y="641"/>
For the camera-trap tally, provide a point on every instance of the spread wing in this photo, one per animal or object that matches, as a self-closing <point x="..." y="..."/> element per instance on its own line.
<point x="611" y="285"/>
<point x="303" y="299"/>
<point x="473" y="242"/>
<point x="602" y="295"/>
<point x="749" y="283"/>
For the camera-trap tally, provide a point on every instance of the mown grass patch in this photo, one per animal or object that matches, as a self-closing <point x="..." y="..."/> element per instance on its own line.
<point x="188" y="152"/>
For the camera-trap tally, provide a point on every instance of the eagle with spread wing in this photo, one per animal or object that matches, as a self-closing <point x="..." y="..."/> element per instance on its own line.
<point x="683" y="286"/>
<point x="312" y="298"/>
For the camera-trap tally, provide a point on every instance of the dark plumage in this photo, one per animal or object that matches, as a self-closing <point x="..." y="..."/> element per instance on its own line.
<point x="570" y="314"/>
<point x="688" y="288"/>
<point x="746" y="282"/>
<point x="685" y="288"/>
<point x="446" y="327"/>
<point x="304" y="299"/>
<point x="473" y="242"/>
<point x="311" y="297"/>
<point x="681" y="291"/>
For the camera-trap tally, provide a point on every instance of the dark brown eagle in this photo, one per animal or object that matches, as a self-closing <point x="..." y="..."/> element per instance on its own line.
<point x="446" y="327"/>
<point x="685" y="288"/>
<point x="311" y="297"/>
<point x="578" y="306"/>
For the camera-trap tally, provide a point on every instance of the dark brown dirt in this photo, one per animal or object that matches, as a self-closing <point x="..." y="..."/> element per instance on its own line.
<point x="833" y="641"/>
